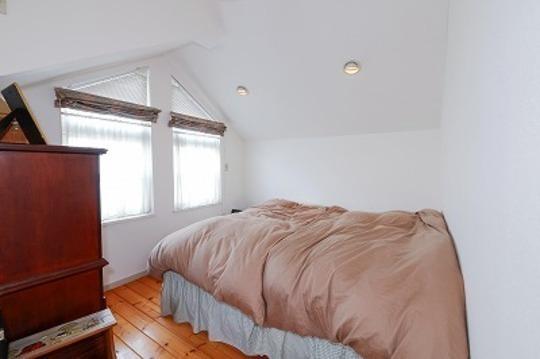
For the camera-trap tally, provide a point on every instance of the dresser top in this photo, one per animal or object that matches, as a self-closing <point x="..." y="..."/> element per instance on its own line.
<point x="51" y="148"/>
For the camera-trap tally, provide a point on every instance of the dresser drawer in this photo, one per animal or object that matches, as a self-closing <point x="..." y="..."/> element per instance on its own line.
<point x="46" y="305"/>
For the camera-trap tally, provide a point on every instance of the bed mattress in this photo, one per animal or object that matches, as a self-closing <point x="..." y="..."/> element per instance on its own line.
<point x="188" y="303"/>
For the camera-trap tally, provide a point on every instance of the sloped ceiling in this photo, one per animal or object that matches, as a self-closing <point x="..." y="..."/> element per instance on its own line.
<point x="290" y="55"/>
<point x="39" y="35"/>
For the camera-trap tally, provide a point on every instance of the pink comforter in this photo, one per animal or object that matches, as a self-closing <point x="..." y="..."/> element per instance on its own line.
<point x="387" y="284"/>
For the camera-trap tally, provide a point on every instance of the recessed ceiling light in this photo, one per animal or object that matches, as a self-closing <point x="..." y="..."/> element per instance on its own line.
<point x="242" y="91"/>
<point x="351" y="68"/>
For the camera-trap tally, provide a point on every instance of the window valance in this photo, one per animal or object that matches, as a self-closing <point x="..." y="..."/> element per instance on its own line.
<point x="190" y="123"/>
<point x="82" y="101"/>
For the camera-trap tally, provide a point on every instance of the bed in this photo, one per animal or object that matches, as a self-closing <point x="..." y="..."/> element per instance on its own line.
<point x="289" y="280"/>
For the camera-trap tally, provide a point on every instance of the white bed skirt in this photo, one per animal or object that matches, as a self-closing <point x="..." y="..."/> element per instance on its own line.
<point x="188" y="303"/>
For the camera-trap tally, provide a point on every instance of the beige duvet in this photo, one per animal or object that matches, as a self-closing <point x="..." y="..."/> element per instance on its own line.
<point x="387" y="284"/>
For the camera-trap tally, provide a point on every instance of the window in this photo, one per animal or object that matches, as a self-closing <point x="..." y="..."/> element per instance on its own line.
<point x="126" y="169"/>
<point x="197" y="169"/>
<point x="196" y="152"/>
<point x="130" y="87"/>
<point x="185" y="104"/>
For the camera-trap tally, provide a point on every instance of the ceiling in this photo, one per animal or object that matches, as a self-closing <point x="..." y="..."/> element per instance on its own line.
<point x="43" y="35"/>
<point x="290" y="55"/>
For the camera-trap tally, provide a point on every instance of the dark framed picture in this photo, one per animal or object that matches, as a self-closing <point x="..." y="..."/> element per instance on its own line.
<point x="22" y="114"/>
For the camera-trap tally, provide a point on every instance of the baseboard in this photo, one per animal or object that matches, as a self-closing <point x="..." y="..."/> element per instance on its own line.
<point x="123" y="281"/>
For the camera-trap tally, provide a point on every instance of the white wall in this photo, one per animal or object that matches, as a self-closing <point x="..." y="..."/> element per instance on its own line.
<point x="126" y="245"/>
<point x="491" y="132"/>
<point x="364" y="172"/>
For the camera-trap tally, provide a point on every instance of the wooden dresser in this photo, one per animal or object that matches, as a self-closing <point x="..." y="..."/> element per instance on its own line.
<point x="50" y="238"/>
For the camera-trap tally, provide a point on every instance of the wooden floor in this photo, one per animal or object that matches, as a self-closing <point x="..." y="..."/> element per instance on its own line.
<point x="142" y="333"/>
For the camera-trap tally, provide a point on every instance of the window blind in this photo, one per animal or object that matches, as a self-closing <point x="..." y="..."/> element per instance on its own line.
<point x="123" y="95"/>
<point x="129" y="87"/>
<point x="185" y="104"/>
<point x="188" y="114"/>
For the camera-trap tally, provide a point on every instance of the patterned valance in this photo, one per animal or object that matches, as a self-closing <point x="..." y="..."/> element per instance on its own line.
<point x="81" y="101"/>
<point x="197" y="124"/>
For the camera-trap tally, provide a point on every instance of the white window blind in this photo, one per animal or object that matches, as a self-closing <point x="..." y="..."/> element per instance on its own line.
<point x="183" y="103"/>
<point x="197" y="169"/>
<point x="130" y="87"/>
<point x="126" y="169"/>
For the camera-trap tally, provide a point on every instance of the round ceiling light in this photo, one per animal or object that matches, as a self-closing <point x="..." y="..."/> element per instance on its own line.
<point x="242" y="91"/>
<point x="351" y="68"/>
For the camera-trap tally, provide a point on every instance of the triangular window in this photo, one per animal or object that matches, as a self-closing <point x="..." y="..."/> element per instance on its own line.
<point x="130" y="87"/>
<point x="185" y="104"/>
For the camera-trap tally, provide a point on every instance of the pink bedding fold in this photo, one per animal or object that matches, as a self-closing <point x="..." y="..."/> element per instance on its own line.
<point x="387" y="284"/>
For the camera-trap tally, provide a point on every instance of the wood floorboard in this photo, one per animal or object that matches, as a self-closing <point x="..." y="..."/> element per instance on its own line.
<point x="138" y="341"/>
<point x="142" y="332"/>
<point x="146" y="291"/>
<point x="129" y="295"/>
<point x="123" y="351"/>
<point x="151" y="282"/>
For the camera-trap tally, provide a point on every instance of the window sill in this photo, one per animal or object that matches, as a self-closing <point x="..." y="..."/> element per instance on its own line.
<point x="126" y="219"/>
<point x="180" y="210"/>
